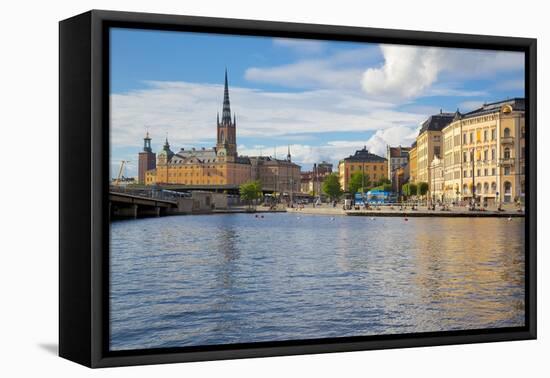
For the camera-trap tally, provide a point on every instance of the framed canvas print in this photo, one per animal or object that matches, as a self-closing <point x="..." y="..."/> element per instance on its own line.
<point x="235" y="188"/>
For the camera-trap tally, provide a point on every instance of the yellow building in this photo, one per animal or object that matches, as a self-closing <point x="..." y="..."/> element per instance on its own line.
<point x="429" y="145"/>
<point x="485" y="153"/>
<point x="452" y="158"/>
<point x="374" y="166"/>
<point x="413" y="163"/>
<point x="437" y="178"/>
<point x="221" y="166"/>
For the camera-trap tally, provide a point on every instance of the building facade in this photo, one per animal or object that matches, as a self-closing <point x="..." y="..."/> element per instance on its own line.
<point x="276" y="175"/>
<point x="146" y="159"/>
<point x="312" y="181"/>
<point x="485" y="154"/>
<point x="397" y="157"/>
<point x="374" y="166"/>
<point x="413" y="163"/>
<point x="400" y="176"/>
<point x="429" y="145"/>
<point x="437" y="184"/>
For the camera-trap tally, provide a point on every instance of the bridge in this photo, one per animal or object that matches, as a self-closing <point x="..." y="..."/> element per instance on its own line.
<point x="126" y="205"/>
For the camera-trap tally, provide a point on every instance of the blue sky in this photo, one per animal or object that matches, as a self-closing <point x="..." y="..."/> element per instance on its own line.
<point x="325" y="99"/>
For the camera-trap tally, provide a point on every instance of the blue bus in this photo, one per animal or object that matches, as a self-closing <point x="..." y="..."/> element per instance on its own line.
<point x="375" y="197"/>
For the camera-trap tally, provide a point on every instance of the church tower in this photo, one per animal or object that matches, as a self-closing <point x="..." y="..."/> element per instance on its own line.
<point x="226" y="146"/>
<point x="146" y="159"/>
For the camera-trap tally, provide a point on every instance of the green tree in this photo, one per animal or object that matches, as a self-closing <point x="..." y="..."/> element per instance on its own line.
<point x="331" y="186"/>
<point x="384" y="187"/>
<point x="356" y="182"/>
<point x="422" y="188"/>
<point x="382" y="181"/>
<point x="251" y="191"/>
<point x="409" y="189"/>
<point x="414" y="189"/>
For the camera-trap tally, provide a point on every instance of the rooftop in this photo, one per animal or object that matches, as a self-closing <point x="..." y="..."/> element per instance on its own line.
<point x="517" y="104"/>
<point x="365" y="156"/>
<point x="437" y="122"/>
<point x="398" y="152"/>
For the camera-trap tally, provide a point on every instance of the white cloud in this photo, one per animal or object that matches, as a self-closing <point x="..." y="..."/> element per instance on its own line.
<point x="305" y="74"/>
<point x="333" y="151"/>
<point x="407" y="71"/>
<point x="342" y="69"/>
<point x="410" y="71"/>
<point x="186" y="112"/>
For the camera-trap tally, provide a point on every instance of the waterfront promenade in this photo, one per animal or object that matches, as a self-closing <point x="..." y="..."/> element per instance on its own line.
<point x="422" y="211"/>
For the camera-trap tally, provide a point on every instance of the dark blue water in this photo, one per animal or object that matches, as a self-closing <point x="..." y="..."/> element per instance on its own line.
<point x="218" y="279"/>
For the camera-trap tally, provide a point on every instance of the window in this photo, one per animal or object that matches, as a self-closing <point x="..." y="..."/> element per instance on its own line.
<point x="437" y="150"/>
<point x="485" y="172"/>
<point x="465" y="173"/>
<point x="492" y="154"/>
<point x="479" y="172"/>
<point x="507" y="187"/>
<point x="493" y="134"/>
<point x="464" y="141"/>
<point x="506" y="132"/>
<point x="471" y="137"/>
<point x="465" y="156"/>
<point x="486" y="155"/>
<point x="493" y="171"/>
<point x="506" y="171"/>
<point x="493" y="187"/>
<point x="485" y="136"/>
<point x="507" y="153"/>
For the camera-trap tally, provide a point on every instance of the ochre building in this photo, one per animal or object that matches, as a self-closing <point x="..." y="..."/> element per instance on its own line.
<point x="374" y="166"/>
<point x="221" y="166"/>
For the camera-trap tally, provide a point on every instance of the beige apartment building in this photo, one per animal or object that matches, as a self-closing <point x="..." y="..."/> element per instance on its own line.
<point x="413" y="163"/>
<point x="484" y="154"/>
<point x="437" y="178"/>
<point x="429" y="145"/>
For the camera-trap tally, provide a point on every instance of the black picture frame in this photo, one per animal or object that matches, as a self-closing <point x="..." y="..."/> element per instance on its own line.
<point x="83" y="181"/>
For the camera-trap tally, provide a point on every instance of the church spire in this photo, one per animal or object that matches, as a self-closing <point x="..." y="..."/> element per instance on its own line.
<point x="147" y="143"/>
<point x="226" y="112"/>
<point x="288" y="157"/>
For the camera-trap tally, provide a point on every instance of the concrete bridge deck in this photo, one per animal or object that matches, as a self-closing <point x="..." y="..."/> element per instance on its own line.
<point x="124" y="205"/>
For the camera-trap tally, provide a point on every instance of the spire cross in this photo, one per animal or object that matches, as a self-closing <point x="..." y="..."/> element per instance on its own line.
<point x="226" y="111"/>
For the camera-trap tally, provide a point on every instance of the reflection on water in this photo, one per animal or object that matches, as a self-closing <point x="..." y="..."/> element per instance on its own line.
<point x="218" y="279"/>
